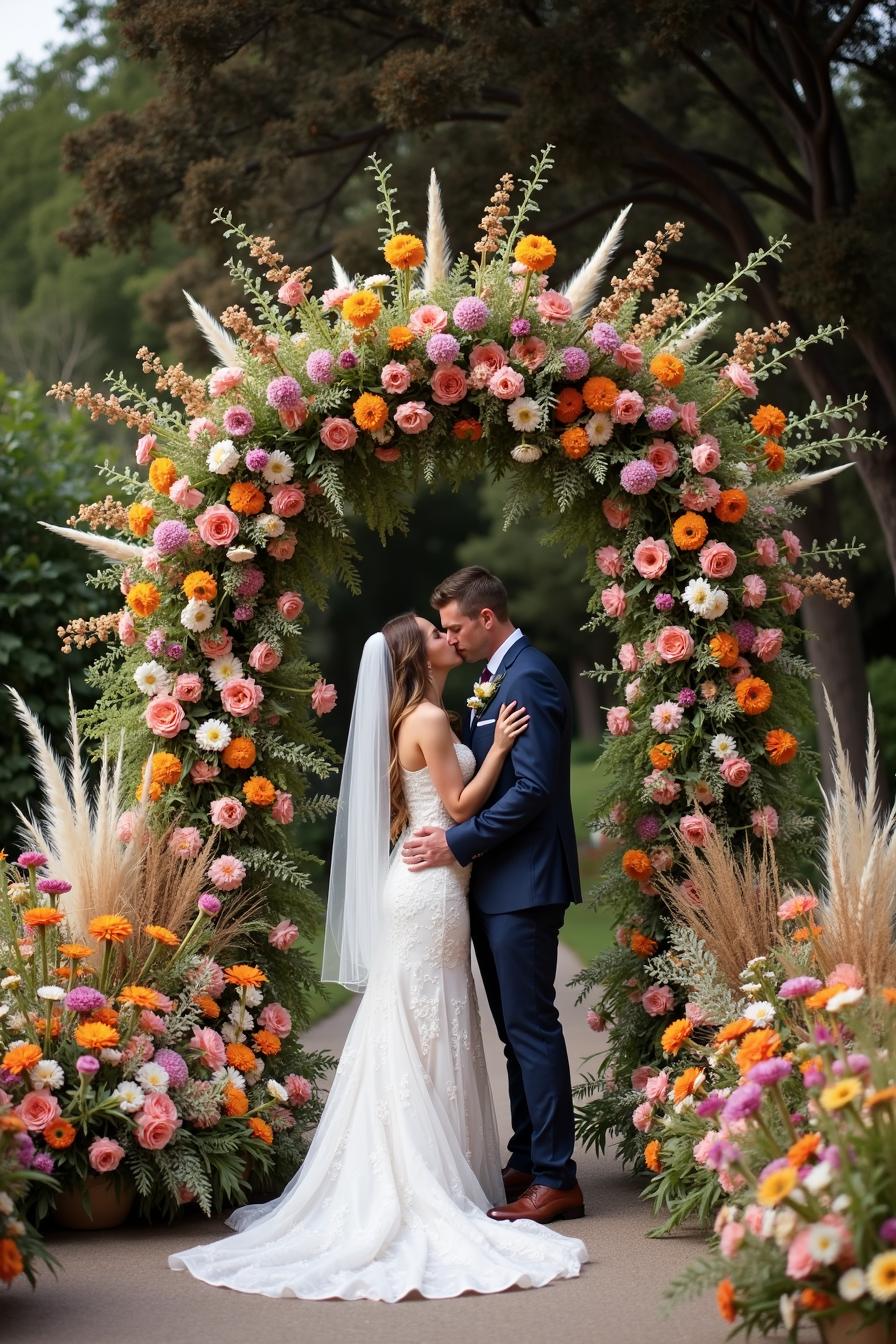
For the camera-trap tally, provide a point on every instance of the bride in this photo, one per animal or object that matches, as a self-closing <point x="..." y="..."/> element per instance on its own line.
<point x="393" y="1195"/>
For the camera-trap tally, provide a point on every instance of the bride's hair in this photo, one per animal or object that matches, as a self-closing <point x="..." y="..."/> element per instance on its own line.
<point x="410" y="680"/>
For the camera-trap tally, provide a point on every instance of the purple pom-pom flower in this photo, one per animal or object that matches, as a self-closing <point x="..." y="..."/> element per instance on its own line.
<point x="744" y="1101"/>
<point x="174" y="651"/>
<point x="347" y="359"/>
<point x="887" y="1231"/>
<point x="745" y="634"/>
<point x="284" y="393"/>
<point x="443" y="348"/>
<point x="155" y="642"/>
<point x="174" y="1065"/>
<point x="799" y="987"/>
<point x="687" y="698"/>
<point x="319" y="366"/>
<point x="87" y="1065"/>
<point x="661" y="418"/>
<point x="256" y="459"/>
<point x="648" y="827"/>
<point x="769" y="1071"/>
<point x="520" y="326"/>
<point x="84" y="999"/>
<point x="575" y="362"/>
<point x="605" y="338"/>
<point x="664" y="601"/>
<point x="244" y="612"/>
<point x="637" y="477"/>
<point x="470" y="314"/>
<point x="238" y="421"/>
<point x="709" y="1106"/>
<point x="43" y="1162"/>
<point x="209" y="904"/>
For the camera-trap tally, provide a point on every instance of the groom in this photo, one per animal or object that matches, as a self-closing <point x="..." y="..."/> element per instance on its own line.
<point x="524" y="876"/>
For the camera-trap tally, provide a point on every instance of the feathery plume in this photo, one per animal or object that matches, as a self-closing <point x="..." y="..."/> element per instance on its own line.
<point x="121" y="552"/>
<point x="341" y="277"/>
<point x="226" y="349"/>
<point x="690" y="339"/>
<point x="583" y="286"/>
<point x="802" y="483"/>
<point x="438" y="248"/>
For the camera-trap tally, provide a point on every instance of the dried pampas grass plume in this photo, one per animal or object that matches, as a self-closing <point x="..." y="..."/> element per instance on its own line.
<point x="801" y="483"/>
<point x="582" y="288"/>
<point x="120" y="552"/>
<point x="438" y="248"/>
<point x="220" y="344"/>
<point x="341" y="277"/>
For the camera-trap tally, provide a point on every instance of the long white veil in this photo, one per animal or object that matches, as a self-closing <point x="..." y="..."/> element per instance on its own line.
<point x="360" y="860"/>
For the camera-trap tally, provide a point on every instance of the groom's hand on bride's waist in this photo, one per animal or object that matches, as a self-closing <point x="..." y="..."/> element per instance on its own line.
<point x="427" y="848"/>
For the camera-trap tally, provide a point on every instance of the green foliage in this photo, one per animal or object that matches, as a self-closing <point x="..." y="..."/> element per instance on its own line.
<point x="882" y="684"/>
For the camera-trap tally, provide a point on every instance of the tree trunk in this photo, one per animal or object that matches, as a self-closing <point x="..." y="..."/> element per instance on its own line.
<point x="584" y="695"/>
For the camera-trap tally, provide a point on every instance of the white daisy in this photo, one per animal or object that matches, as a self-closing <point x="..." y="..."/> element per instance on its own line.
<point x="222" y="457"/>
<point x="722" y="745"/>
<point x="717" y="605"/>
<point x="818" y="1179"/>
<point x="252" y="996"/>
<point x="852" y="1285"/>
<point x="213" y="735"/>
<point x="152" y="1077"/>
<point x="50" y="992"/>
<point x="46" y="1073"/>
<point x="525" y="413"/>
<point x="197" y="616"/>
<point x="526" y="453"/>
<point x="277" y="1090"/>
<point x="224" y="669"/>
<point x="130" y="1097"/>
<point x="697" y="595"/>
<point x="599" y="429"/>
<point x="824" y="1243"/>
<point x="844" y="999"/>
<point x="270" y="525"/>
<point x="152" y="678"/>
<point x="279" y="468"/>
<point x="229" y="1075"/>
<point x="761" y="1013"/>
<point x="378" y="281"/>
<point x="238" y="554"/>
<point x="10" y="981"/>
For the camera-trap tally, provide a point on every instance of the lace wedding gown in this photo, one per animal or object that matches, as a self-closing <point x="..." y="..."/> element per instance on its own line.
<point x="392" y="1195"/>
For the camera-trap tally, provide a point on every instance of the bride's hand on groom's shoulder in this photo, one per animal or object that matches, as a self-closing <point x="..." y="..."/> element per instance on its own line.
<point x="427" y="848"/>
<point x="511" y="723"/>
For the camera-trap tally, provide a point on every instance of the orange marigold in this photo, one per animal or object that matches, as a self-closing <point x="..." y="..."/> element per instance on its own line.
<point x="725" y="1300"/>
<point x="888" y="995"/>
<point x="662" y="755"/>
<point x="535" y="252"/>
<point x="110" y="928"/>
<point x="161" y="934"/>
<point x="733" y="1031"/>
<point x="235" y="1100"/>
<point x="106" y="1015"/>
<point x="569" y="405"/>
<point x="96" y="1036"/>
<point x="267" y="1043"/>
<point x="780" y="746"/>
<point x="162" y="474"/>
<point x="732" y="506"/>
<point x="245" y="497"/>
<point x="753" y="694"/>
<point x="362" y="308"/>
<point x="400" y="338"/>
<point x="636" y="864"/>
<point x="143" y="598"/>
<point x="821" y="996"/>
<point x="19" y="1058"/>
<point x="798" y="1153"/>
<point x="667" y="369"/>
<point x="813" y="1299"/>
<point x="652" y="1156"/>
<point x="404" y="251"/>
<point x="259" y="791"/>
<point x="239" y="753"/>
<point x="756" y="1046"/>
<point x="261" y="1129"/>
<point x="686" y="1083"/>
<point x="574" y="442"/>
<point x="599" y="393"/>
<point x="878" y="1098"/>
<point x="11" y="1124"/>
<point x="689" y="531"/>
<point x="245" y="976"/>
<point x="60" y="1134"/>
<point x="141" y="996"/>
<point x="140" y="517"/>
<point x="74" y="951"/>
<point x="775" y="456"/>
<point x="470" y="430"/>
<point x="200" y="585"/>
<point x="675" y="1035"/>
<point x="240" y="1057"/>
<point x="724" y="648"/>
<point x="165" y="768"/>
<point x="42" y="916"/>
<point x="642" y="945"/>
<point x="11" y="1262"/>
<point x="207" y="1005"/>
<point x="802" y="935"/>
<point x="769" y="421"/>
<point x="370" y="411"/>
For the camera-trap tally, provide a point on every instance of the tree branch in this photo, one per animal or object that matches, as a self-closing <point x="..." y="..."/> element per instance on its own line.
<point x="801" y="208"/>
<point x="845" y="27"/>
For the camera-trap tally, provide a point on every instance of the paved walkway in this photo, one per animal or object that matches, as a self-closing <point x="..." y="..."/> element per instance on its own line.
<point x="115" y="1287"/>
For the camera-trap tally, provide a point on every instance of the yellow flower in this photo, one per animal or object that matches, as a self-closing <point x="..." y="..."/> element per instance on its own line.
<point x="776" y="1186"/>
<point x="881" y="1276"/>
<point x="362" y="308"/>
<point x="535" y="252"/>
<point x="404" y="251"/>
<point x="840" y="1094"/>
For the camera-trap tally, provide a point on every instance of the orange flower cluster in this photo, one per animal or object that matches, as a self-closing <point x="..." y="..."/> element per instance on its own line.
<point x="724" y="648"/>
<point x="143" y="598"/>
<point x="675" y="1035"/>
<point x="404" y="251"/>
<point x="267" y="1042"/>
<point x="574" y="442"/>
<point x="667" y="369"/>
<point x="235" y="1100"/>
<point x="60" y="1134"/>
<point x="361" y="309"/>
<point x="687" y="1083"/>
<point x="535" y="252"/>
<point x="259" y="791"/>
<point x="96" y="1036"/>
<point x="400" y="338"/>
<point x="599" y="393"/>
<point x="732" y="1031"/>
<point x="20" y="1058"/>
<point x="780" y="746"/>
<point x="468" y="430"/>
<point x="240" y="1057"/>
<point x="756" y="1046"/>
<point x="568" y="406"/>
<point x="165" y="770"/>
<point x="652" y="1156"/>
<point x="769" y="421"/>
<point x="42" y="917"/>
<point x="245" y="497"/>
<point x="662" y="755"/>
<point x="200" y="586"/>
<point x="370" y="411"/>
<point x="753" y="694"/>
<point x="162" y="474"/>
<point x="689" y="531"/>
<point x="140" y="517"/>
<point x="636" y="865"/>
<point x="261" y="1129"/>
<point x="239" y="753"/>
<point x="160" y="934"/>
<point x="110" y="928"/>
<point x="732" y="506"/>
<point x="245" y="976"/>
<point x="642" y="945"/>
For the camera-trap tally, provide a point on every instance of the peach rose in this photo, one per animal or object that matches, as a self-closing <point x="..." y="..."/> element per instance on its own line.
<point x="530" y="351"/>
<point x="282" y="548"/>
<point x="154" y="1134"/>
<point x="37" y="1110"/>
<point x="382" y="453"/>
<point x="663" y="457"/>
<point x="104" y="1155"/>
<point x="735" y="770"/>
<point x="264" y="657"/>
<point x="215" y="646"/>
<point x="164" y="716"/>
<point x="695" y="828"/>
<point x="657" y="1000"/>
<point x="184" y="494"/>
<point x="449" y="384"/>
<point x="210" y="1045"/>
<point x="688" y="418"/>
<point x="628" y="356"/>
<point x="323" y="697"/>
<point x="227" y="812"/>
<point x="609" y="561"/>
<point x="395" y="377"/>
<point x="705" y="454"/>
<point x="241" y="696"/>
<point x="507" y="384"/>
<point x="282" y="810"/>
<point x="292" y="292"/>
<point x="717" y="560"/>
<point x="651" y="558"/>
<point x="188" y="688"/>
<point x="287" y="501"/>
<point x="338" y="434"/>
<point x="617" y="515"/>
<point x="428" y="319"/>
<point x="218" y="525"/>
<point x="674" y="644"/>
<point x="290" y="605"/>
<point x="203" y="773"/>
<point x="274" y="1017"/>
<point x="413" y="417"/>
<point x="488" y="356"/>
<point x="553" y="306"/>
<point x="613" y="600"/>
<point x="293" y="417"/>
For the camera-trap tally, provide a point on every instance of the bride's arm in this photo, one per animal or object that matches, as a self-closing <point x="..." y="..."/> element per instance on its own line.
<point x="463" y="801"/>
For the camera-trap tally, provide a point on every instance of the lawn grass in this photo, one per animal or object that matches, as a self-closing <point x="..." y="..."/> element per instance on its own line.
<point x="326" y="998"/>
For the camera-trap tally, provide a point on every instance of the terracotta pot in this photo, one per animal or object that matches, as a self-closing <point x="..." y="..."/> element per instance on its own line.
<point x="109" y="1202"/>
<point x="850" y="1328"/>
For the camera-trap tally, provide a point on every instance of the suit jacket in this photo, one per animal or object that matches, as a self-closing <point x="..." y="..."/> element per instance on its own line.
<point x="523" y="840"/>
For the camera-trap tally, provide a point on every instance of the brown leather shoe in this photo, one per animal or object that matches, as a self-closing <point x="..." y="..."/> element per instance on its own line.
<point x="515" y="1182"/>
<point x="542" y="1204"/>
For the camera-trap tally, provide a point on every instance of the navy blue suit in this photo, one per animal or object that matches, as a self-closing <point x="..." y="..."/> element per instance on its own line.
<point x="524" y="876"/>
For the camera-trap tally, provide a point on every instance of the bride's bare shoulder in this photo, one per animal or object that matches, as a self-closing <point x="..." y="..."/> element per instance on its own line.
<point x="427" y="715"/>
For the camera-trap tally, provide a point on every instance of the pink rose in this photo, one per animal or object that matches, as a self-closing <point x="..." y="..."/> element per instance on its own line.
<point x="657" y="1088"/>
<point x="298" y="1088"/>
<point x="215" y="646"/>
<point x="124" y="827"/>
<point x="274" y="1017"/>
<point x="282" y="548"/>
<point x="553" y="306"/>
<point x="218" y="525"/>
<point x="701" y="495"/>
<point x="767" y="644"/>
<point x="145" y="448"/>
<point x="657" y="1000"/>
<point x="202" y="772"/>
<point x="227" y="812"/>
<point x="36" y="1110"/>
<point x="609" y="561"/>
<point x="283" y="935"/>
<point x="507" y="384"/>
<point x="395" y="377"/>
<point x="619" y="721"/>
<point x="717" y="560"/>
<point x="674" y="644"/>
<point x="628" y="356"/>
<point x="705" y="454"/>
<point x="164" y="716"/>
<point x="735" y="770"/>
<point x="642" y="1116"/>
<point x="449" y="384"/>
<point x="287" y="501"/>
<point x="188" y="687"/>
<point x="488" y="356"/>
<point x="738" y="375"/>
<point x="617" y="515"/>
<point x="184" y="494"/>
<point x="754" y="591"/>
<point x="662" y="788"/>
<point x="293" y="417"/>
<point x="210" y="1045"/>
<point x="224" y="380"/>
<point x="338" y="434"/>
<point x="159" y="1106"/>
<point x="662" y="858"/>
<point x="766" y="551"/>
<point x="264" y="657"/>
<point x="150" y="1021"/>
<point x="651" y="558"/>
<point x="185" y="842"/>
<point x="104" y="1155"/>
<point x="530" y="351"/>
<point x="695" y="828"/>
<point x="240" y="696"/>
<point x="765" y="822"/>
<point x="413" y="417"/>
<point x="689" y="419"/>
<point x="282" y="809"/>
<point x="641" y="1076"/>
<point x="695" y="1014"/>
<point x="613" y="600"/>
<point x="792" y="545"/>
<point x="627" y="408"/>
<point x="292" y="292"/>
<point x="154" y="1134"/>
<point x="323" y="697"/>
<point x="290" y="605"/>
<point x="127" y="631"/>
<point x="628" y="658"/>
<point x="428" y="319"/>
<point x="663" y="457"/>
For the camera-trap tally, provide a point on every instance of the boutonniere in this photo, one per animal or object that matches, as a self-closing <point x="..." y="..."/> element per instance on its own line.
<point x="483" y="693"/>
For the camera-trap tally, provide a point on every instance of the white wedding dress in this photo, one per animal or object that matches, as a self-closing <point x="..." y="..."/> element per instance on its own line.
<point x="392" y="1195"/>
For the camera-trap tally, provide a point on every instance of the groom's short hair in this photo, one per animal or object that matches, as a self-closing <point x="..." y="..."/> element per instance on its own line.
<point x="472" y="588"/>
